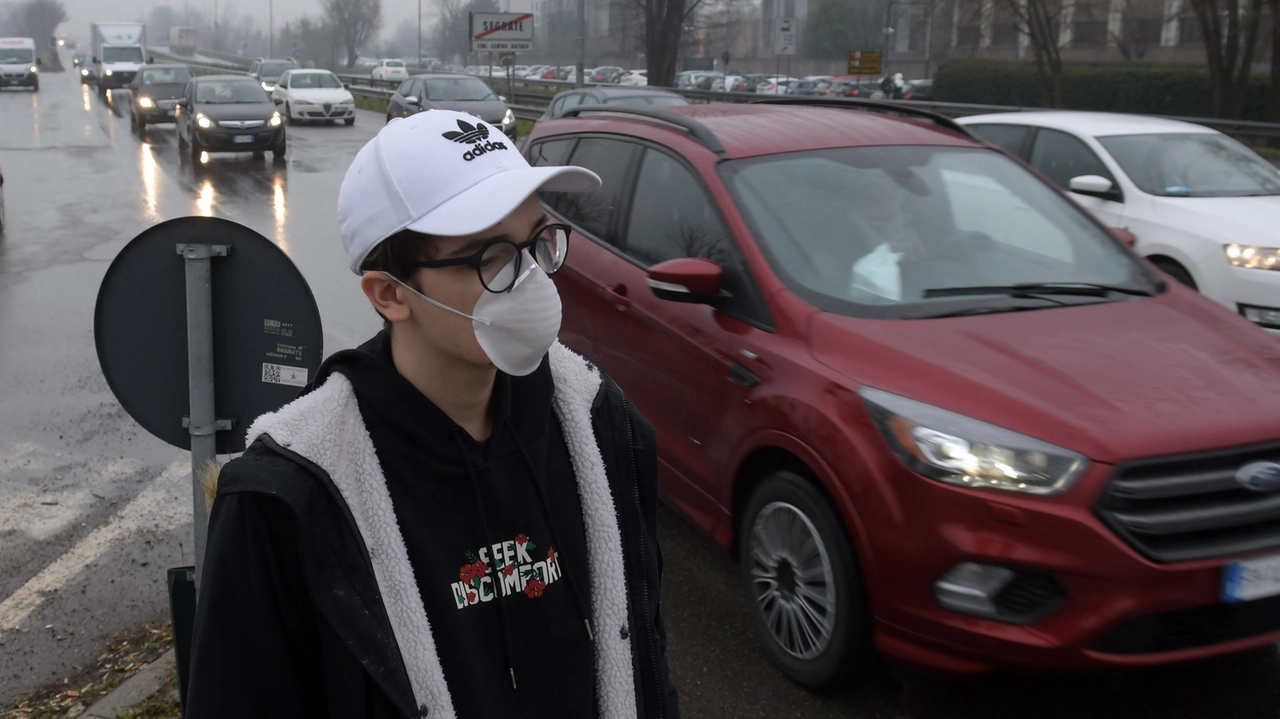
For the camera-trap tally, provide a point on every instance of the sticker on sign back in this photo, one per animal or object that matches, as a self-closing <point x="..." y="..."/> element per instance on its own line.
<point x="281" y="374"/>
<point x="1251" y="579"/>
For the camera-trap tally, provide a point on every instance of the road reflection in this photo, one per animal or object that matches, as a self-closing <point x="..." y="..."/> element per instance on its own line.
<point x="86" y="94"/>
<point x="278" y="205"/>
<point x="150" y="170"/>
<point x="205" y="199"/>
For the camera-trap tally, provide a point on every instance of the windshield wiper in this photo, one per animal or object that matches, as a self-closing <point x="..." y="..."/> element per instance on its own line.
<point x="1037" y="289"/>
<point x="981" y="311"/>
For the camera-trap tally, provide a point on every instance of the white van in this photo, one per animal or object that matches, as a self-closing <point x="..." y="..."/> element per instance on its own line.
<point x="18" y="63"/>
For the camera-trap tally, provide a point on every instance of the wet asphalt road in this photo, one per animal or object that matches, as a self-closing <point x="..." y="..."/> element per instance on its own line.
<point x="93" y="509"/>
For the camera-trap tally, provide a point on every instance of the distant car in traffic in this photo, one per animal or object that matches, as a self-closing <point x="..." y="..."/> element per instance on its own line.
<point x="933" y="406"/>
<point x="389" y="71"/>
<point x="229" y="113"/>
<point x="1204" y="207"/>
<point x="612" y="96"/>
<point x="452" y="92"/>
<point x="154" y="93"/>
<point x="268" y="72"/>
<point x="314" y="96"/>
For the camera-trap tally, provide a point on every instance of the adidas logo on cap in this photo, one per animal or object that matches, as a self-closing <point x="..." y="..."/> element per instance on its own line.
<point x="476" y="135"/>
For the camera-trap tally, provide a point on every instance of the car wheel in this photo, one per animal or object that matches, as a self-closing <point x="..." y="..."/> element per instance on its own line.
<point x="195" y="147"/>
<point x="35" y="85"/>
<point x="349" y="121"/>
<point x="801" y="579"/>
<point x="279" y="150"/>
<point x="288" y="115"/>
<point x="1176" y="271"/>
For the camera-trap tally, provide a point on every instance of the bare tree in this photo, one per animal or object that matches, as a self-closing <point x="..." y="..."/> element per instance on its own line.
<point x="356" y="21"/>
<point x="40" y="19"/>
<point x="1040" y="22"/>
<point x="1230" y="47"/>
<point x="664" y="25"/>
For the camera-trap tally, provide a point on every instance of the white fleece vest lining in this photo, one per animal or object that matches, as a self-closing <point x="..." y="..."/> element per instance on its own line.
<point x="325" y="426"/>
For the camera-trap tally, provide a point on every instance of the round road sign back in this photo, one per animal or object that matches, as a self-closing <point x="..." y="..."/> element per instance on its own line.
<point x="266" y="328"/>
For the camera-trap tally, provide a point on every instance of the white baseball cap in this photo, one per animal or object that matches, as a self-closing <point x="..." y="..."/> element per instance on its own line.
<point x="439" y="173"/>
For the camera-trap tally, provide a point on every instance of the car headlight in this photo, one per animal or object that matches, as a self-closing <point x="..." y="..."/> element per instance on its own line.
<point x="275" y="119"/>
<point x="108" y="73"/>
<point x="508" y="118"/>
<point x="203" y="121"/>
<point x="84" y="72"/>
<point x="1253" y="257"/>
<point x="966" y="452"/>
<point x="145" y="102"/>
<point x="35" y="69"/>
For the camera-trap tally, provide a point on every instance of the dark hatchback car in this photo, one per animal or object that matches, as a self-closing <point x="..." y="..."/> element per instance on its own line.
<point x="229" y="113"/>
<point x="452" y="92"/>
<point x="268" y="72"/>
<point x="617" y="96"/>
<point x="155" y="92"/>
<point x="933" y="406"/>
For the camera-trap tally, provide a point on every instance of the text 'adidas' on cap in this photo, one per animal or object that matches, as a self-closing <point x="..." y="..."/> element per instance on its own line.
<point x="439" y="173"/>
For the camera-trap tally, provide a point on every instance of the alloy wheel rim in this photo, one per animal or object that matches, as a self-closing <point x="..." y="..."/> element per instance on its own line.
<point x="792" y="580"/>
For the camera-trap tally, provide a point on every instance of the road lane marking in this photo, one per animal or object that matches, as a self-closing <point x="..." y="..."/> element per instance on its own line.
<point x="159" y="507"/>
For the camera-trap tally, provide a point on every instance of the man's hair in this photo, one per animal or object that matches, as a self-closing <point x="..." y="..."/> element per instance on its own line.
<point x="396" y="256"/>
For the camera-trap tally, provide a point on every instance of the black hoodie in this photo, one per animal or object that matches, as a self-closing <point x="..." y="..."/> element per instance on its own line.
<point x="292" y="621"/>
<point x="494" y="533"/>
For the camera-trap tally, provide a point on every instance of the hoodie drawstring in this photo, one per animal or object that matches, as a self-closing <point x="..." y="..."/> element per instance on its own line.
<point x="546" y="514"/>
<point x="488" y="539"/>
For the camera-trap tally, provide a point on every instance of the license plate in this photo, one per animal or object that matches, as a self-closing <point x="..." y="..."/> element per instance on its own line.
<point x="1251" y="579"/>
<point x="242" y="139"/>
<point x="15" y="82"/>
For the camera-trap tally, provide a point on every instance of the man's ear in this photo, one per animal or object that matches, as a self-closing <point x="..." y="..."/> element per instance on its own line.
<point x="386" y="296"/>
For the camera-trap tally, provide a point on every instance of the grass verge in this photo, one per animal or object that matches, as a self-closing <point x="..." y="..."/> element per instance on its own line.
<point x="377" y="104"/>
<point x="127" y="654"/>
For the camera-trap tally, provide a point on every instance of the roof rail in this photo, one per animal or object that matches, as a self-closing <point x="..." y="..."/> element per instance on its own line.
<point x="697" y="130"/>
<point x="856" y="103"/>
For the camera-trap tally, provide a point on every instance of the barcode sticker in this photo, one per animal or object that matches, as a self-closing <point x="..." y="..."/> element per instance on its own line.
<point x="281" y="374"/>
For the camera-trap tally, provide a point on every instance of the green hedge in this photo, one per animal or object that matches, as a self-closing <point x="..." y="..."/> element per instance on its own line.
<point x="1139" y="87"/>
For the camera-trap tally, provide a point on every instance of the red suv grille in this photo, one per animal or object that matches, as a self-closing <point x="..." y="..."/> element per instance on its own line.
<point x="1178" y="509"/>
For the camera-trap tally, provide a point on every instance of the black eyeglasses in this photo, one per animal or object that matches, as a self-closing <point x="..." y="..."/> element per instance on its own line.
<point x="549" y="246"/>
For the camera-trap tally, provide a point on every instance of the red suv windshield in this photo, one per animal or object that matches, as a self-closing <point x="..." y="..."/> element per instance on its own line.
<point x="867" y="231"/>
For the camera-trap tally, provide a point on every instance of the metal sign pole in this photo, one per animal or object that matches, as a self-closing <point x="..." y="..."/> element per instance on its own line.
<point x="203" y="421"/>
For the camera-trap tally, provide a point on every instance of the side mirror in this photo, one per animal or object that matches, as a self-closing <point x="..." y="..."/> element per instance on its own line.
<point x="94" y="59"/>
<point x="1128" y="238"/>
<point x="39" y="61"/>
<point x="689" y="279"/>
<point x="278" y="100"/>
<point x="1094" y="186"/>
<point x="412" y="100"/>
<point x="184" y="103"/>
<point x="502" y="98"/>
<point x="346" y="86"/>
<point x="152" y="60"/>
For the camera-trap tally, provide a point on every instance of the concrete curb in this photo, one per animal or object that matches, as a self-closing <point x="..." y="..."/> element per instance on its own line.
<point x="134" y="691"/>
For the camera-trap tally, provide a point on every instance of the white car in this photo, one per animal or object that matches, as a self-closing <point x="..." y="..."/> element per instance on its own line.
<point x="389" y="71"/>
<point x="774" y="85"/>
<point x="635" y="78"/>
<point x="533" y="71"/>
<point x="1204" y="207"/>
<point x="314" y="95"/>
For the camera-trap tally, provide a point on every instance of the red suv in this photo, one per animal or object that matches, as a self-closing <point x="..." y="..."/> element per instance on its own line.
<point x="931" y="405"/>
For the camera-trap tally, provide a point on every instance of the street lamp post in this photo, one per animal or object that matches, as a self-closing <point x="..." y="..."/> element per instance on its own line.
<point x="582" y="43"/>
<point x="419" y="33"/>
<point x="271" y="28"/>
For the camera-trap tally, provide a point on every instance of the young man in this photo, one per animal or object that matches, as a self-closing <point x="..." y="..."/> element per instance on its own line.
<point x="457" y="519"/>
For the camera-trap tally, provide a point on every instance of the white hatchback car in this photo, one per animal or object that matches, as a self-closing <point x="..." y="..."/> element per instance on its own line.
<point x="1204" y="207"/>
<point x="635" y="78"/>
<point x="314" y="95"/>
<point x="389" y="71"/>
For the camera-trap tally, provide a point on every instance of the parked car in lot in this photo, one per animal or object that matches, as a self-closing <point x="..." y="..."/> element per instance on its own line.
<point x="634" y="78"/>
<point x="918" y="90"/>
<point x="746" y="83"/>
<point x="229" y="113"/>
<point x="389" y="71"/>
<point x="612" y="96"/>
<point x="932" y="405"/>
<point x="268" y="71"/>
<point x="607" y="73"/>
<point x="1203" y="206"/>
<point x="452" y="92"/>
<point x="844" y="87"/>
<point x="314" y="96"/>
<point x="773" y="85"/>
<point x="154" y="93"/>
<point x="806" y="87"/>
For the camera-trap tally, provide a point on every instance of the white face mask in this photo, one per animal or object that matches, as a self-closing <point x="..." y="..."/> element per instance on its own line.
<point x="515" y="328"/>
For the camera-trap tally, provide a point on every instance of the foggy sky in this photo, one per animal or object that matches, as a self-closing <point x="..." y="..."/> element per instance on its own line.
<point x="83" y="12"/>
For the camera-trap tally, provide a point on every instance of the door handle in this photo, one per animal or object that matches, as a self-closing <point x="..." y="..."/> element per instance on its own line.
<point x="618" y="294"/>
